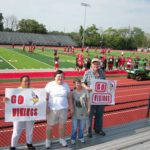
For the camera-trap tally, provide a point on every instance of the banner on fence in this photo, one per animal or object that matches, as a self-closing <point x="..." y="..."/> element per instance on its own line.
<point x="25" y="104"/>
<point x="103" y="92"/>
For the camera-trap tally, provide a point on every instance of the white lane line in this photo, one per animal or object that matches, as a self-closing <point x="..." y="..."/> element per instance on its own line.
<point x="31" y="58"/>
<point x="133" y="95"/>
<point x="131" y="110"/>
<point x="8" y="62"/>
<point x="35" y="126"/>
<point x="131" y="90"/>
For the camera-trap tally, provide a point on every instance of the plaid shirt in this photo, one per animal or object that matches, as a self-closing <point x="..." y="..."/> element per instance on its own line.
<point x="90" y="75"/>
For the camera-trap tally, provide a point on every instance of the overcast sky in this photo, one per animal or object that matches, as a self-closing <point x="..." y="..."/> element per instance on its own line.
<point x="68" y="15"/>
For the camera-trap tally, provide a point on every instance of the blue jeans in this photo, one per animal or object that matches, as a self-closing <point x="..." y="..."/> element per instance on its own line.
<point x="77" y="124"/>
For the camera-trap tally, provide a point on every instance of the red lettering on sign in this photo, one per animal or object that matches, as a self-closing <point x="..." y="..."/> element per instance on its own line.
<point x="20" y="99"/>
<point x="100" y="87"/>
<point x="24" y="112"/>
<point x="28" y="111"/>
<point x="35" y="112"/>
<point x="14" y="112"/>
<point x="21" y="111"/>
<point x="101" y="99"/>
<point x="13" y="99"/>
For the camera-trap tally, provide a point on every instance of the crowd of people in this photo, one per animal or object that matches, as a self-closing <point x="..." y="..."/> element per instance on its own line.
<point x="110" y="63"/>
<point x="59" y="98"/>
<point x="107" y="60"/>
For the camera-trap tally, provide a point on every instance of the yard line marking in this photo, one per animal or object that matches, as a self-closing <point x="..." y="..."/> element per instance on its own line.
<point x="31" y="58"/>
<point x="8" y="62"/>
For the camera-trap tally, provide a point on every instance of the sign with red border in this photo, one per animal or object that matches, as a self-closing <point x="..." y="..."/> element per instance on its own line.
<point x="25" y="104"/>
<point x="103" y="92"/>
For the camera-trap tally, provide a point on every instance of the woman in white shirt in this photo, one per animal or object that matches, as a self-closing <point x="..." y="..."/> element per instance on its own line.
<point x="19" y="125"/>
<point x="58" y="101"/>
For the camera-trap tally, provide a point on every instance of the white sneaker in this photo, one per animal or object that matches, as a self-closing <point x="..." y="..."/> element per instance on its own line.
<point x="47" y="143"/>
<point x="82" y="140"/>
<point x="73" y="141"/>
<point x="63" y="142"/>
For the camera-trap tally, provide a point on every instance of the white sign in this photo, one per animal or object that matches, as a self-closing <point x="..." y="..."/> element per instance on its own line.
<point x="103" y="92"/>
<point x="25" y="104"/>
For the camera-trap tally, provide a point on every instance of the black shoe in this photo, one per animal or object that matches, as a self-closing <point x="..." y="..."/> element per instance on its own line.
<point x="90" y="135"/>
<point x="30" y="147"/>
<point x="102" y="133"/>
<point x="12" y="148"/>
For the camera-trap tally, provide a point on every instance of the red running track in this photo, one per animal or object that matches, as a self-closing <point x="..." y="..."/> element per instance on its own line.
<point x="123" y="94"/>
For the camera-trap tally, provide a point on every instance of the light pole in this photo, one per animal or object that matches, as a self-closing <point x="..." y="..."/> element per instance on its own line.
<point x="84" y="23"/>
<point x="101" y="36"/>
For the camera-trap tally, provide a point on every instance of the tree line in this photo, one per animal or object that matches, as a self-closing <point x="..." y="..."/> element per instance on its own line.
<point x="124" y="38"/>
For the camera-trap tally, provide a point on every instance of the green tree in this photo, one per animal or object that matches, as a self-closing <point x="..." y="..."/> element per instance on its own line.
<point x="139" y="36"/>
<point x="92" y="37"/>
<point x="1" y="22"/>
<point x="31" y="26"/>
<point x="112" y="38"/>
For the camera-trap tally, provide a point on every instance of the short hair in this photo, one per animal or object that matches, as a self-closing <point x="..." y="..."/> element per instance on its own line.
<point x="76" y="80"/>
<point x="58" y="72"/>
<point x="24" y="76"/>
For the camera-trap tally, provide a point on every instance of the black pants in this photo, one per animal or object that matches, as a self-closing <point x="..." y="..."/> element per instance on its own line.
<point x="98" y="111"/>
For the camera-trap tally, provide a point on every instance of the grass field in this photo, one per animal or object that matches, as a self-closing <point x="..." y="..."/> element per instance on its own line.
<point x="17" y="59"/>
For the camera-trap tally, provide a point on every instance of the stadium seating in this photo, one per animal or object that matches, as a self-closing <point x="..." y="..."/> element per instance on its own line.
<point x="37" y="39"/>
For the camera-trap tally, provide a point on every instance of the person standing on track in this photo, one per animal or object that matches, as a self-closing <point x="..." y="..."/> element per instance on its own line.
<point x="19" y="125"/>
<point x="81" y="104"/>
<point x="58" y="101"/>
<point x="94" y="73"/>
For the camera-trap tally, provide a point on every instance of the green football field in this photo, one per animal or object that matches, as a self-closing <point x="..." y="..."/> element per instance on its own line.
<point x="17" y="59"/>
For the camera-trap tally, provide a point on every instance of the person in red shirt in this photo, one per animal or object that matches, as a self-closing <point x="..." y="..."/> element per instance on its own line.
<point x="110" y="63"/>
<point x="82" y="49"/>
<point x="80" y="62"/>
<point x="129" y="63"/>
<point x="56" y="62"/>
<point x="65" y="49"/>
<point x="122" y="62"/>
<point x="103" y="51"/>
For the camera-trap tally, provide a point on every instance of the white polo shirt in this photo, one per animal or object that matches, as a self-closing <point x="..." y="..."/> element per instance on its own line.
<point x="57" y="95"/>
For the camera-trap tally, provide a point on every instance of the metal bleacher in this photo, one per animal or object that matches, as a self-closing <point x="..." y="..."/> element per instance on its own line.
<point x="38" y="39"/>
